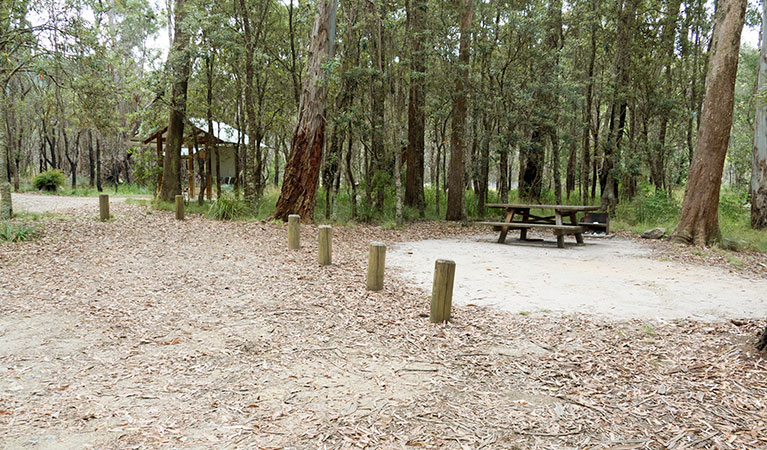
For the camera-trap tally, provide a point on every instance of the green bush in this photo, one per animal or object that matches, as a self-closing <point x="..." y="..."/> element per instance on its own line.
<point x="227" y="207"/>
<point x="15" y="232"/>
<point x="50" y="180"/>
<point x="733" y="205"/>
<point x="650" y="208"/>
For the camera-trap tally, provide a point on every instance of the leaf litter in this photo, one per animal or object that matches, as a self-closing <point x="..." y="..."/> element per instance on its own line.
<point x="145" y="332"/>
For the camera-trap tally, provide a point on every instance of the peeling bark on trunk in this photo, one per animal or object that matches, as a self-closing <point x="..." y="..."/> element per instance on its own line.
<point x="302" y="171"/>
<point x="699" y="223"/>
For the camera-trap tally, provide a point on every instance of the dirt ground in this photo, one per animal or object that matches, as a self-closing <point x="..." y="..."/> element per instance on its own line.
<point x="36" y="203"/>
<point x="144" y="332"/>
<point x="613" y="278"/>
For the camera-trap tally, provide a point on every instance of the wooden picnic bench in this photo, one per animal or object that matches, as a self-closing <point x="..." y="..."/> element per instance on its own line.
<point x="526" y="220"/>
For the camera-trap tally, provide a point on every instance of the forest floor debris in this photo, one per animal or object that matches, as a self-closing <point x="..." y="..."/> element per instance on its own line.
<point x="145" y="332"/>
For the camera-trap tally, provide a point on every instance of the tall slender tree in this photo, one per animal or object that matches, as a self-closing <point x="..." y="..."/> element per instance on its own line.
<point x="456" y="189"/>
<point x="179" y="63"/>
<point x="759" y="161"/>
<point x="416" y="116"/>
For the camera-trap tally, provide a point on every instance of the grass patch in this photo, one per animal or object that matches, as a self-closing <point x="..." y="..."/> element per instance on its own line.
<point x="16" y="232"/>
<point x="649" y="330"/>
<point x="227" y="207"/>
<point x="39" y="217"/>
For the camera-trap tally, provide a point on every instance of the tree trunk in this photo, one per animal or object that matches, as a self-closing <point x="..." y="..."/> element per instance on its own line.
<point x="302" y="170"/>
<point x="621" y="85"/>
<point x="699" y="223"/>
<point x="98" y="165"/>
<point x="276" y="178"/>
<point x="555" y="161"/>
<point x="416" y="117"/>
<point x="667" y="42"/>
<point x="332" y="163"/>
<point x="378" y="109"/>
<point x="91" y="161"/>
<point x="179" y="63"/>
<point x="456" y="190"/>
<point x="350" y="175"/>
<point x="484" y="164"/>
<point x="572" y="161"/>
<point x="398" y="186"/>
<point x="209" y="61"/>
<point x="250" y="103"/>
<point x="586" y="158"/>
<point x="759" y="160"/>
<point x="6" y="204"/>
<point x="503" y="168"/>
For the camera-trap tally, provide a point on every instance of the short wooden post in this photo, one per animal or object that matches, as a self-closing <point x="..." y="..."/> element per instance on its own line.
<point x="376" y="264"/>
<point x="326" y="245"/>
<point x="179" y="207"/>
<point x="103" y="207"/>
<point x="442" y="291"/>
<point x="6" y="205"/>
<point x="294" y="231"/>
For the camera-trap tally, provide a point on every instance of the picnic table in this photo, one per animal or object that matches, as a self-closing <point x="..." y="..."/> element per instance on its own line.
<point x="519" y="217"/>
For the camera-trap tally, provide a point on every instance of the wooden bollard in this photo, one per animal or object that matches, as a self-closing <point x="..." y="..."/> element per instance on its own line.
<point x="179" y="207"/>
<point x="294" y="231"/>
<point x="326" y="245"/>
<point x="103" y="207"/>
<point x="376" y="264"/>
<point x="442" y="291"/>
<point x="6" y="205"/>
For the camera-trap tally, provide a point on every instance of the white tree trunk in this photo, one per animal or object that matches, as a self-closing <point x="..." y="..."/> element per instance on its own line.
<point x="759" y="174"/>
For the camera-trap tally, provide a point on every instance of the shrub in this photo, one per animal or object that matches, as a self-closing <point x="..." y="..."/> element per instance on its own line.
<point x="651" y="208"/>
<point x="227" y="207"/>
<point x="50" y="180"/>
<point x="15" y="232"/>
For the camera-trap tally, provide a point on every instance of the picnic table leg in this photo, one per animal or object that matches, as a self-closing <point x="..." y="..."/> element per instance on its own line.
<point x="574" y="221"/>
<point x="505" y="230"/>
<point x="523" y="231"/>
<point x="560" y="234"/>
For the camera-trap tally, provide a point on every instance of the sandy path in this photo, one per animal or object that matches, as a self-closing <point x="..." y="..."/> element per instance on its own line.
<point x="37" y="203"/>
<point x="609" y="277"/>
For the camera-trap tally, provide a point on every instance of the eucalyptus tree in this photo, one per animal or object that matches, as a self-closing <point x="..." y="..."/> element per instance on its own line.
<point x="699" y="223"/>
<point x="759" y="164"/>
<point x="417" y="10"/>
<point x="455" y="198"/>
<point x="302" y="170"/>
<point x="179" y="63"/>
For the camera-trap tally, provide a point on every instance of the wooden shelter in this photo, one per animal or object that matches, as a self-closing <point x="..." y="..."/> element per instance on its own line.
<point x="197" y="142"/>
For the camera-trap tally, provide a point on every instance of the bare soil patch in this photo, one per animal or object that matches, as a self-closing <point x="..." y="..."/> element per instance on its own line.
<point x="614" y="278"/>
<point x="39" y="203"/>
<point x="147" y="332"/>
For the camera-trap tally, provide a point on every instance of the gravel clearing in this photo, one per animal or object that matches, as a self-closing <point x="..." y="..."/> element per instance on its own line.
<point x="38" y="203"/>
<point x="145" y="332"/>
<point x="612" y="278"/>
